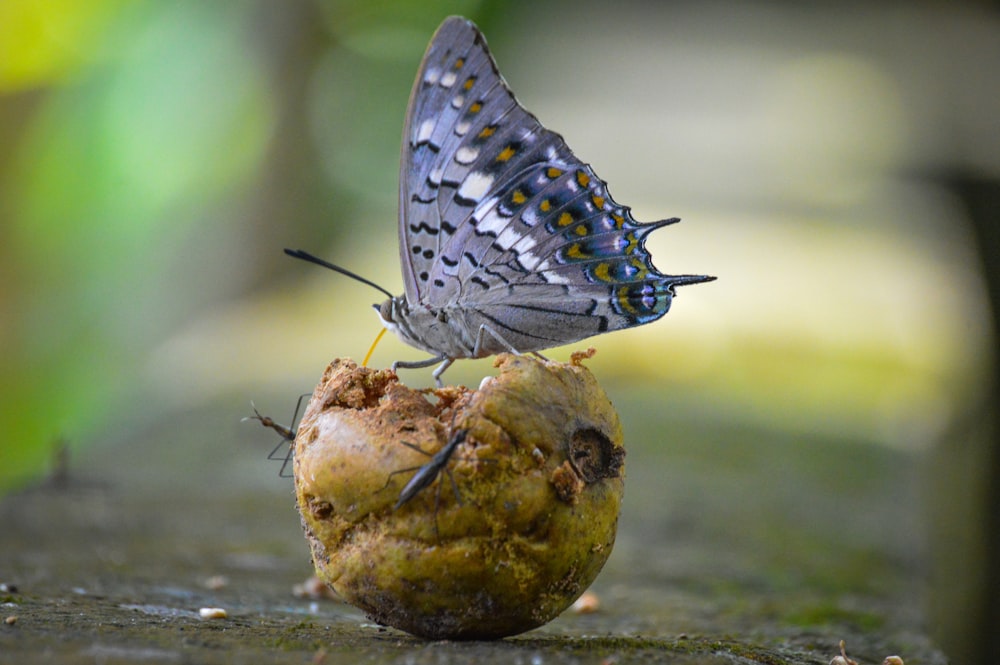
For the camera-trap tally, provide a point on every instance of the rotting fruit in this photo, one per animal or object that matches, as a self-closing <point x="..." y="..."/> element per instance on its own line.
<point x="510" y="528"/>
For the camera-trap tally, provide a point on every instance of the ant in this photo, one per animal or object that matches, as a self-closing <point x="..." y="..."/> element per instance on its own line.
<point x="287" y="435"/>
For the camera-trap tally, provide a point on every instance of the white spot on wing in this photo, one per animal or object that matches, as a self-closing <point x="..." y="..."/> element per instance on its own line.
<point x="491" y="223"/>
<point x="435" y="176"/>
<point x="466" y="155"/>
<point x="553" y="277"/>
<point x="508" y="238"/>
<point x="462" y="127"/>
<point x="432" y="75"/>
<point x="528" y="260"/>
<point x="424" y="131"/>
<point x="525" y="244"/>
<point x="448" y="80"/>
<point x="475" y="185"/>
<point x="457" y="101"/>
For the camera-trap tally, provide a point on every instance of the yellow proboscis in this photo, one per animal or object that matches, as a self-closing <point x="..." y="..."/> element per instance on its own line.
<point x="372" y="349"/>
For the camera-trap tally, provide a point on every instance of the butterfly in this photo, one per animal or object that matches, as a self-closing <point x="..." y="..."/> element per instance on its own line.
<point x="507" y="241"/>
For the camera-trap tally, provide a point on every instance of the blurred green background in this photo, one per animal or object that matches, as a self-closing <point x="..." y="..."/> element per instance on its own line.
<point x="155" y="158"/>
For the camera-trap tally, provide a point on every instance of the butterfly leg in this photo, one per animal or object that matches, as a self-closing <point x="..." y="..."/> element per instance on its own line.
<point x="417" y="364"/>
<point x="483" y="329"/>
<point x="481" y="336"/>
<point x="440" y="370"/>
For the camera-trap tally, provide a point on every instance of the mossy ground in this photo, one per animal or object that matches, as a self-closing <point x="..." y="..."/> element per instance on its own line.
<point x="736" y="544"/>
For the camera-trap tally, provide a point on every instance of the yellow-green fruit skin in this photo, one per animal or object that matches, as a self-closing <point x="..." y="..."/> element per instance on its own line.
<point x="514" y="529"/>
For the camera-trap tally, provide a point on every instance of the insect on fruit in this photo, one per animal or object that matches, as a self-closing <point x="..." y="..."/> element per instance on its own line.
<point x="507" y="241"/>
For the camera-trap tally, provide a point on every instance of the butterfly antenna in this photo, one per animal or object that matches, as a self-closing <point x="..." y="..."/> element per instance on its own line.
<point x="306" y="256"/>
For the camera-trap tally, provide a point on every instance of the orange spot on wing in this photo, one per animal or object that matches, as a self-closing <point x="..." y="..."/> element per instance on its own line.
<point x="601" y="272"/>
<point x="623" y="300"/>
<point x="506" y="154"/>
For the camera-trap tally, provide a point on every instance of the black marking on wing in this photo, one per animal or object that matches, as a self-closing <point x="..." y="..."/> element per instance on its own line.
<point x="493" y="273"/>
<point x="433" y="147"/>
<point x="423" y="227"/>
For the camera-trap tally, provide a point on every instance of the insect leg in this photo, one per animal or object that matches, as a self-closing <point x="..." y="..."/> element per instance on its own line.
<point x="417" y="364"/>
<point x="481" y="335"/>
<point x="440" y="370"/>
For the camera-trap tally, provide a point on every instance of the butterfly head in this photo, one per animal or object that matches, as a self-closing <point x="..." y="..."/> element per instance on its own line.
<point x="394" y="313"/>
<point x="389" y="311"/>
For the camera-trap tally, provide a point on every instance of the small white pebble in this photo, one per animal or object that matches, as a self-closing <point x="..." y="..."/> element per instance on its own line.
<point x="892" y="660"/>
<point x="212" y="613"/>
<point x="588" y="603"/>
<point x="216" y="582"/>
<point x="314" y="588"/>
<point x="11" y="620"/>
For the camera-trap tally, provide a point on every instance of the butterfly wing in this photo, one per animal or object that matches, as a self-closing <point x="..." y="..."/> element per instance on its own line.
<point x="499" y="219"/>
<point x="465" y="139"/>
<point x="567" y="262"/>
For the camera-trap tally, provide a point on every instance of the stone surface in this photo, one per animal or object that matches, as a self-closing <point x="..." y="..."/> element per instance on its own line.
<point x="736" y="544"/>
